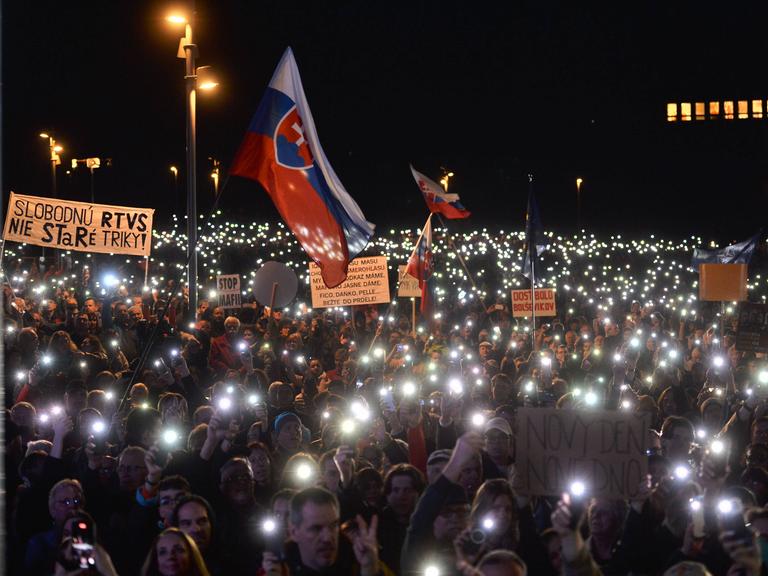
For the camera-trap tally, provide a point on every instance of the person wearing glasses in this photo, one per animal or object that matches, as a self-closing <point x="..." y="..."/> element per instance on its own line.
<point x="65" y="497"/>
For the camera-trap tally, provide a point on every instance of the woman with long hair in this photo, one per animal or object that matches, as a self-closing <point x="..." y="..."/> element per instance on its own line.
<point x="173" y="553"/>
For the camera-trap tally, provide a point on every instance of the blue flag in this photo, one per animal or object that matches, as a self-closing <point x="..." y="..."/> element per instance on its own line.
<point x="739" y="253"/>
<point x="535" y="241"/>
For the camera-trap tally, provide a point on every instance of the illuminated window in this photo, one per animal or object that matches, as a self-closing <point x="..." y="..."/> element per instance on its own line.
<point x="728" y="109"/>
<point x="757" y="108"/>
<point x="714" y="109"/>
<point x="699" y="110"/>
<point x="743" y="109"/>
<point x="671" y="112"/>
<point x="685" y="111"/>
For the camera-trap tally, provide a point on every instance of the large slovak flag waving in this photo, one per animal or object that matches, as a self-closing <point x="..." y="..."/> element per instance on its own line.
<point x="282" y="152"/>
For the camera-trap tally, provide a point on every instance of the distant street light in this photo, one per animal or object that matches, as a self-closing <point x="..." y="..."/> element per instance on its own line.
<point x="579" y="181"/>
<point x="194" y="78"/>
<point x="92" y="164"/>
<point x="55" y="149"/>
<point x="175" y="172"/>
<point x="445" y="179"/>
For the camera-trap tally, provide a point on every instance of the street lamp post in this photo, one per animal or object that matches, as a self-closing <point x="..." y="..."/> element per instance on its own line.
<point x="91" y="164"/>
<point x="192" y="74"/>
<point x="175" y="172"/>
<point x="215" y="177"/>
<point x="55" y="161"/>
<point x="579" y="181"/>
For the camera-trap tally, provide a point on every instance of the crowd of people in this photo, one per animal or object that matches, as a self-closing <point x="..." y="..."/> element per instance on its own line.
<point x="142" y="438"/>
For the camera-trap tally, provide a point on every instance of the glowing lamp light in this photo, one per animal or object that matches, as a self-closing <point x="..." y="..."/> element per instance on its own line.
<point x="478" y="420"/>
<point x="762" y="376"/>
<point x="725" y="507"/>
<point x="409" y="389"/>
<point x="488" y="523"/>
<point x="718" y="361"/>
<point x="224" y="404"/>
<point x="98" y="427"/>
<point x="577" y="489"/>
<point x="717" y="447"/>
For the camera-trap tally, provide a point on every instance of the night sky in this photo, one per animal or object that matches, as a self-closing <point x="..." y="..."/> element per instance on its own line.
<point x="491" y="91"/>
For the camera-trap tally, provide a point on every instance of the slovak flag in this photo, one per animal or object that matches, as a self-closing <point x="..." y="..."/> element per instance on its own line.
<point x="438" y="200"/>
<point x="420" y="265"/>
<point x="282" y="152"/>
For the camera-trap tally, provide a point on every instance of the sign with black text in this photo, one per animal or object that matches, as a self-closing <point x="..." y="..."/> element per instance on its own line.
<point x="228" y="290"/>
<point x="408" y="286"/>
<point x="367" y="283"/>
<point x="80" y="226"/>
<point x="604" y="449"/>
<point x="522" y="302"/>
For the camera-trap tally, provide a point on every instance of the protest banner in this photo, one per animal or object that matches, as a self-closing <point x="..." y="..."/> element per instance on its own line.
<point x="752" y="328"/>
<point x="69" y="225"/>
<point x="603" y="449"/>
<point x="545" y="303"/>
<point x="367" y="283"/>
<point x="228" y="290"/>
<point x="409" y="286"/>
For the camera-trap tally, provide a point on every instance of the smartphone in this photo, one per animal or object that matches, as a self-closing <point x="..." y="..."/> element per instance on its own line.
<point x="82" y="544"/>
<point x="697" y="517"/>
<point x="274" y="537"/>
<point x="731" y="518"/>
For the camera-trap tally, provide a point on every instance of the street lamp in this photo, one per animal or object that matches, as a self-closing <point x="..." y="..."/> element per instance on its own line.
<point x="55" y="150"/>
<point x="215" y="177"/>
<point x="194" y="78"/>
<point x="175" y="172"/>
<point x="446" y="177"/>
<point x="92" y="164"/>
<point x="579" y="181"/>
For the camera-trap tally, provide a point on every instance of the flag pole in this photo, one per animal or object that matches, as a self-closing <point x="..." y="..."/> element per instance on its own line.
<point x="466" y="270"/>
<point x="397" y="286"/>
<point x="532" y="258"/>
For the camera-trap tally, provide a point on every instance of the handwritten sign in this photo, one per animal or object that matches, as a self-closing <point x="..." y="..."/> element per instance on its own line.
<point x="522" y="303"/>
<point x="409" y="286"/>
<point x="367" y="283"/>
<point x="80" y="226"/>
<point x="603" y="449"/>
<point x="752" y="330"/>
<point x="228" y="290"/>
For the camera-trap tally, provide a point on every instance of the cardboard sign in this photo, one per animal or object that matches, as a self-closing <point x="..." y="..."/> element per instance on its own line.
<point x="79" y="226"/>
<point x="409" y="286"/>
<point x="228" y="290"/>
<point x="752" y="330"/>
<point x="723" y="282"/>
<point x="603" y="449"/>
<point x="545" y="302"/>
<point x="367" y="283"/>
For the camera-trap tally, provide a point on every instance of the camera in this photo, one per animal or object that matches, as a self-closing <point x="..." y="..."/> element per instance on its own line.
<point x="478" y="535"/>
<point x="730" y="513"/>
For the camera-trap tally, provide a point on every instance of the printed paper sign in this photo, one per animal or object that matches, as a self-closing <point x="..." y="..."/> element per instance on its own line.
<point x="367" y="283"/>
<point x="80" y="226"/>
<point x="409" y="286"/>
<point x="604" y="449"/>
<point x="228" y="290"/>
<point x="545" y="302"/>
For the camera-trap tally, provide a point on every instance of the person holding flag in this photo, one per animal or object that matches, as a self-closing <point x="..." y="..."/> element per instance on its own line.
<point x="281" y="151"/>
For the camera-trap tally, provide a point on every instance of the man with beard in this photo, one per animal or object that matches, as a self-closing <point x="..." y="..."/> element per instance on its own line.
<point x="442" y="512"/>
<point x="315" y="547"/>
<point x="194" y="516"/>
